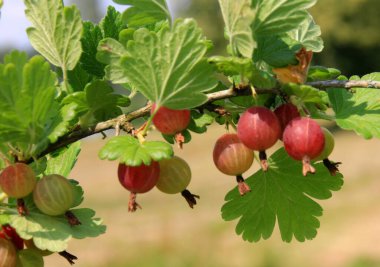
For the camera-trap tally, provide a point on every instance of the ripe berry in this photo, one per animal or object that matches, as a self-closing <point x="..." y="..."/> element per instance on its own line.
<point x="18" y="180"/>
<point x="259" y="129"/>
<point x="9" y="233"/>
<point x="138" y="179"/>
<point x="232" y="157"/>
<point x="171" y="122"/>
<point x="285" y="113"/>
<point x="54" y="195"/>
<point x="7" y="253"/>
<point x="304" y="140"/>
<point x="175" y="176"/>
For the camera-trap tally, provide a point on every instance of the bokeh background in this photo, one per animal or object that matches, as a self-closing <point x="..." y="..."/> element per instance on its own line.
<point x="167" y="232"/>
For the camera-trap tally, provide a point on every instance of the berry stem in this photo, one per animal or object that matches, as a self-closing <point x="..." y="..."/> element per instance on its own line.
<point x="190" y="198"/>
<point x="149" y="121"/>
<point x="242" y="186"/>
<point x="21" y="208"/>
<point x="263" y="160"/>
<point x="179" y="139"/>
<point x="72" y="219"/>
<point x="132" y="204"/>
<point x="306" y="168"/>
<point x="331" y="166"/>
<point x="68" y="256"/>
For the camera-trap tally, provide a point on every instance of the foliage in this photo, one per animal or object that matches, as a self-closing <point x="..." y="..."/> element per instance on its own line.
<point x="45" y="110"/>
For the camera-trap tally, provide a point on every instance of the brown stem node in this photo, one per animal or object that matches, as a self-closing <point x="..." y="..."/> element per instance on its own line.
<point x="132" y="204"/>
<point x="190" y="198"/>
<point x="331" y="166"/>
<point x="242" y="186"/>
<point x="307" y="167"/>
<point x="263" y="160"/>
<point x="21" y="208"/>
<point x="68" y="256"/>
<point x="72" y="219"/>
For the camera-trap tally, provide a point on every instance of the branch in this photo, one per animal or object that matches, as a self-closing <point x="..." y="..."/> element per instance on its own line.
<point x="344" y="84"/>
<point x="124" y="121"/>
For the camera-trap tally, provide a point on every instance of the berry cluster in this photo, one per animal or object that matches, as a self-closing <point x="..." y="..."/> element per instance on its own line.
<point x="53" y="195"/>
<point x="259" y="128"/>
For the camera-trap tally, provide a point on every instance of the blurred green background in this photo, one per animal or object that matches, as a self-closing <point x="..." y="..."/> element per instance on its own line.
<point x="168" y="233"/>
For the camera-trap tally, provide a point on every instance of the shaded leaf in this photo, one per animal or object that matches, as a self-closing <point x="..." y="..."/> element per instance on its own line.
<point x="283" y="194"/>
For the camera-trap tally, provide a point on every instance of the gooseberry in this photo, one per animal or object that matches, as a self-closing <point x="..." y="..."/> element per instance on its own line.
<point x="259" y="129"/>
<point x="304" y="140"/>
<point x="175" y="176"/>
<point x="7" y="253"/>
<point x="171" y="122"/>
<point x="138" y="179"/>
<point x="9" y="233"/>
<point x="285" y="113"/>
<point x="18" y="180"/>
<point x="54" y="195"/>
<point x="232" y="157"/>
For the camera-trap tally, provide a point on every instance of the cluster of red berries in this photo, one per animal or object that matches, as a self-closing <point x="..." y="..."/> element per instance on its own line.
<point x="170" y="176"/>
<point x="259" y="128"/>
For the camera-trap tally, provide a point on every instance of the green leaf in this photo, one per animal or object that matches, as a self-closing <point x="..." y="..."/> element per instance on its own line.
<point x="110" y="52"/>
<point x="238" y="16"/>
<point x="306" y="93"/>
<point x="62" y="161"/>
<point x="231" y="66"/>
<point x="276" y="51"/>
<point x="169" y="67"/>
<point x="31" y="117"/>
<point x="128" y="150"/>
<point x="320" y="73"/>
<point x="281" y="193"/>
<point x="144" y="12"/>
<point x="358" y="111"/>
<point x="56" y="31"/>
<point x="110" y="27"/>
<point x="274" y="17"/>
<point x="78" y="78"/>
<point x="112" y="23"/>
<point x="1" y="3"/>
<point x="200" y="121"/>
<point x="29" y="258"/>
<point x="54" y="232"/>
<point x="97" y="102"/>
<point x="308" y="34"/>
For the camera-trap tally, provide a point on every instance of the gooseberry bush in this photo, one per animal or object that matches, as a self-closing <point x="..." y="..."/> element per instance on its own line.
<point x="86" y="75"/>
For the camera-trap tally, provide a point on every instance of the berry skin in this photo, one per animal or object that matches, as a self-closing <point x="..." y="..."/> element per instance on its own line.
<point x="7" y="253"/>
<point x="175" y="175"/>
<point x="170" y="121"/>
<point x="138" y="179"/>
<point x="18" y="180"/>
<point x="9" y="233"/>
<point x="54" y="195"/>
<point x="231" y="156"/>
<point x="304" y="140"/>
<point x="259" y="129"/>
<point x="285" y="113"/>
<point x="328" y="147"/>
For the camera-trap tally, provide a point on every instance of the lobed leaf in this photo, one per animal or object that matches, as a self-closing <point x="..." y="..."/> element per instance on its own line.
<point x="308" y="34"/>
<point x="29" y="258"/>
<point x="56" y="31"/>
<point x="128" y="150"/>
<point x="144" y="12"/>
<point x="306" y="93"/>
<point x="275" y="17"/>
<point x="168" y="67"/>
<point x="320" y="73"/>
<point x="63" y="160"/>
<point x="31" y="117"/>
<point x="200" y="121"/>
<point x="283" y="194"/>
<point x="359" y="110"/>
<point x="238" y="16"/>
